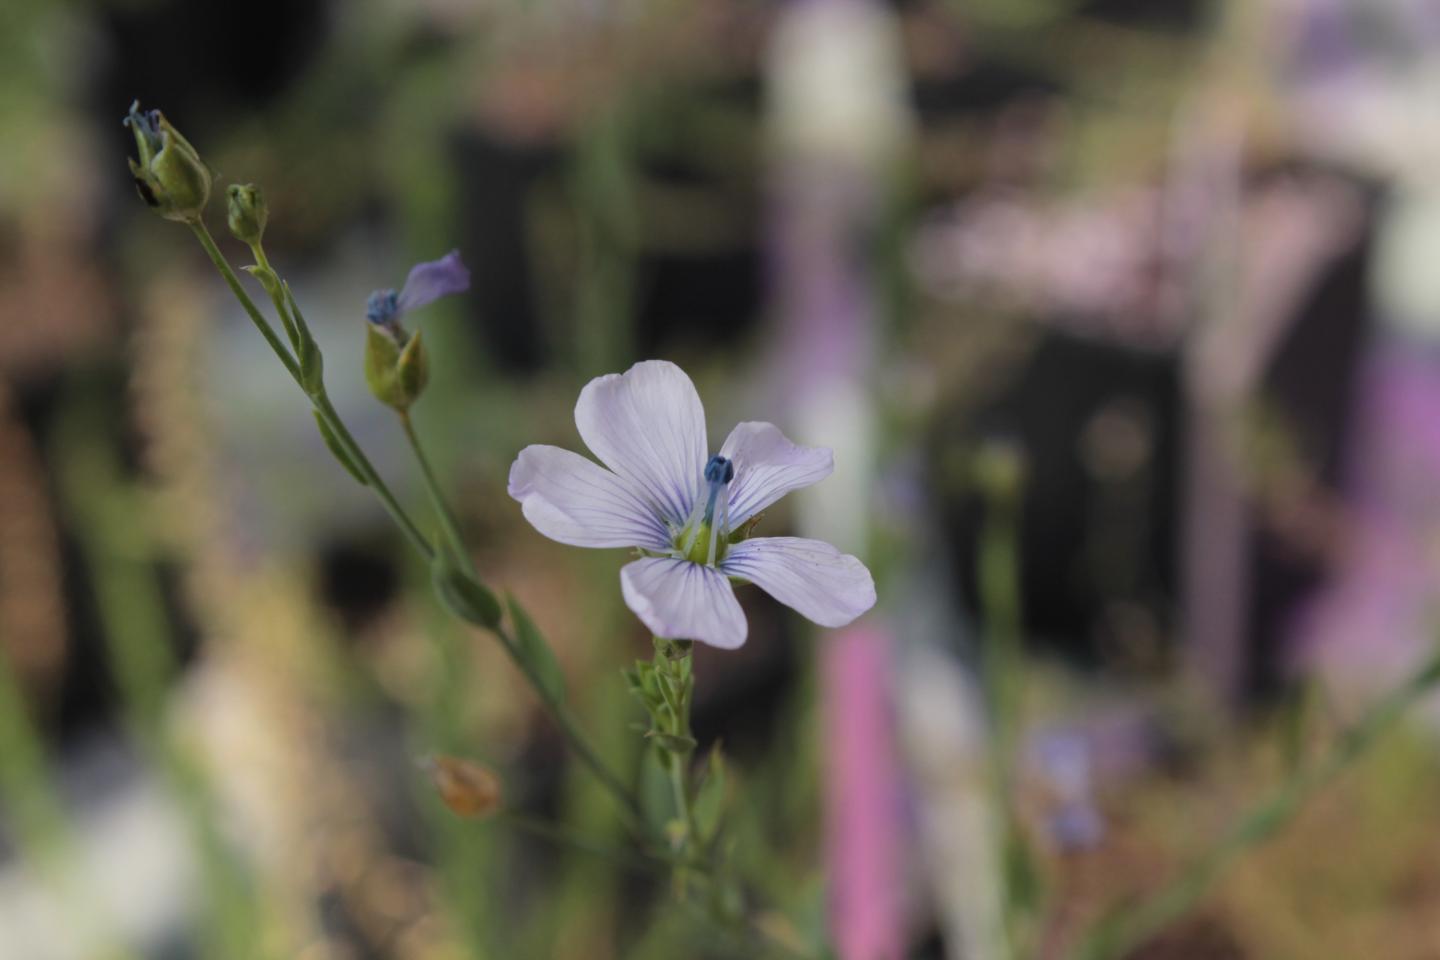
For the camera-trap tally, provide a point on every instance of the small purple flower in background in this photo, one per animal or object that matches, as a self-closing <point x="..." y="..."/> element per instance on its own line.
<point x="1064" y="760"/>
<point x="689" y="514"/>
<point x="426" y="283"/>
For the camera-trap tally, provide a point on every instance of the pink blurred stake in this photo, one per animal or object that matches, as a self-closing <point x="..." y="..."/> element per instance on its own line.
<point x="837" y="119"/>
<point x="862" y="836"/>
<point x="1374" y="621"/>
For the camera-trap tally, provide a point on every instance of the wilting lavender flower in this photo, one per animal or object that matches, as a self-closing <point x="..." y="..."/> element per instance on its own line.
<point x="396" y="366"/>
<point x="688" y="514"/>
<point x="426" y="283"/>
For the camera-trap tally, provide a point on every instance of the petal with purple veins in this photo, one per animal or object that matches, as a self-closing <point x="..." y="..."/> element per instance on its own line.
<point x="648" y="426"/>
<point x="576" y="501"/>
<point x="827" y="586"/>
<point x="681" y="600"/>
<point x="768" y="466"/>
<point x="430" y="281"/>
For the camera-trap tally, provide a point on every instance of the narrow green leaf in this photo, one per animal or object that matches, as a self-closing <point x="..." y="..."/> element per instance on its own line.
<point x="533" y="650"/>
<point x="669" y="692"/>
<point x="711" y="797"/>
<point x="673" y="743"/>
<point x="461" y="593"/>
<point x="332" y="442"/>
<point x="312" y="362"/>
<point x="304" y="342"/>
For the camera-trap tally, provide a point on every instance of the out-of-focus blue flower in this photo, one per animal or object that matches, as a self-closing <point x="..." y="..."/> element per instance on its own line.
<point x="1064" y="760"/>
<point x="426" y="283"/>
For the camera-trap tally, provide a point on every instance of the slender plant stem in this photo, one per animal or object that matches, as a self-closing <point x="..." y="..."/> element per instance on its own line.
<point x="559" y="711"/>
<point x="629" y="808"/>
<point x="202" y="233"/>
<point x="321" y="400"/>
<point x="449" y="526"/>
<point x="1002" y="668"/>
<point x="281" y="307"/>
<point x="373" y="479"/>
<point x="682" y="792"/>
<point x="565" y="720"/>
<point x="562" y="837"/>
<point x="1138" y="925"/>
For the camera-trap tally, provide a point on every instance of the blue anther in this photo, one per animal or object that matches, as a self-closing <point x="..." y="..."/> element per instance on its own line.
<point x="383" y="307"/>
<point x="719" y="470"/>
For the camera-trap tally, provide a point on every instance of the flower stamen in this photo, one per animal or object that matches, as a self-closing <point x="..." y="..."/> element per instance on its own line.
<point x="719" y="471"/>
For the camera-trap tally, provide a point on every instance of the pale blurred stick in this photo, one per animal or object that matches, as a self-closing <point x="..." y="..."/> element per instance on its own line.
<point x="118" y="555"/>
<point x="40" y="831"/>
<point x="1000" y="477"/>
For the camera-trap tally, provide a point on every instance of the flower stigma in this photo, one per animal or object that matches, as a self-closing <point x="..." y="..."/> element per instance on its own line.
<point x="147" y="124"/>
<point x="703" y="540"/>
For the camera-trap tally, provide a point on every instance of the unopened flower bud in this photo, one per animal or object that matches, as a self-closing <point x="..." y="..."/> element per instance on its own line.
<point x="396" y="365"/>
<point x="468" y="789"/>
<point x="169" y="174"/>
<point x="247" y="213"/>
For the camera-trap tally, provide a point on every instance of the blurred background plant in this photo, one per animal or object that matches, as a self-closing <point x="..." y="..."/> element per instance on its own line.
<point x="1120" y="318"/>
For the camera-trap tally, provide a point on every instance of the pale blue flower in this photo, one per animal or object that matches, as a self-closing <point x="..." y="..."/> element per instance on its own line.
<point x="665" y="494"/>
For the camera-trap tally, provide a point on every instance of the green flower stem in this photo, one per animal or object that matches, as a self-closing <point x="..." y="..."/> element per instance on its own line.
<point x="1119" y="938"/>
<point x="674" y="660"/>
<point x="565" y="720"/>
<point x="674" y="670"/>
<point x="321" y="400"/>
<point x="202" y="233"/>
<point x="1002" y="672"/>
<point x="630" y="809"/>
<point x="678" y="764"/>
<point x="373" y="479"/>
<point x="326" y="409"/>
<point x="281" y="307"/>
<point x="564" y="838"/>
<point x="449" y="526"/>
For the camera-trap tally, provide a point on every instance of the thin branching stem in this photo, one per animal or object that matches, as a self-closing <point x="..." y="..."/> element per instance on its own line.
<point x="558" y="835"/>
<point x="321" y="400"/>
<point x="450" y="528"/>
<point x="1120" y="937"/>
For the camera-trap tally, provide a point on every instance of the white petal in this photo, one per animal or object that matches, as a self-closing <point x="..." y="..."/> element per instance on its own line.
<point x="576" y="501"/>
<point x="768" y="466"/>
<point x="684" y="601"/>
<point x="648" y="426"/>
<point x="829" y="587"/>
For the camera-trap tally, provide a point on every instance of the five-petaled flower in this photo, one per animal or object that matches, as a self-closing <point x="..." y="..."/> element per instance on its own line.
<point x="687" y="512"/>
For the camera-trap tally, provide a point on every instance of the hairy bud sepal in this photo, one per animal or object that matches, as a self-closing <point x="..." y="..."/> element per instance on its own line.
<point x="246" y="213"/>
<point x="396" y="371"/>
